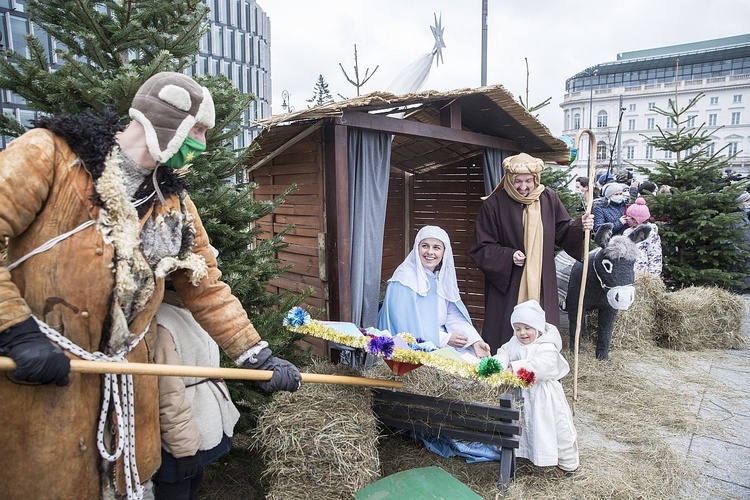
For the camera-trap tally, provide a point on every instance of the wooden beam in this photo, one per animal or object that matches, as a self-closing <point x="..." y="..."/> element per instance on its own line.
<point x="450" y="115"/>
<point x="288" y="144"/>
<point x="417" y="129"/>
<point x="336" y="173"/>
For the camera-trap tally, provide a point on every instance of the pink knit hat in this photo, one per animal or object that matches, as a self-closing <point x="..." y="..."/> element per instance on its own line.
<point x="639" y="211"/>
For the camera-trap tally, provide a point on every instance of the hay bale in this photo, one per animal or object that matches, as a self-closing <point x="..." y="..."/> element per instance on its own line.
<point x="697" y="318"/>
<point x="319" y="442"/>
<point x="637" y="327"/>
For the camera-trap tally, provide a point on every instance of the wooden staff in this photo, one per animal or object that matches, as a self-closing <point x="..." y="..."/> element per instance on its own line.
<point x="586" y="236"/>
<point x="82" y="366"/>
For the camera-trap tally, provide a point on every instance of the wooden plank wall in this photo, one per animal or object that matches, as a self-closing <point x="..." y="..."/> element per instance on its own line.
<point x="450" y="197"/>
<point x="301" y="164"/>
<point x="393" y="237"/>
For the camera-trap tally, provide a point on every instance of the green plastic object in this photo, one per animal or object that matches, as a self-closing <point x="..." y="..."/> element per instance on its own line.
<point x="425" y="483"/>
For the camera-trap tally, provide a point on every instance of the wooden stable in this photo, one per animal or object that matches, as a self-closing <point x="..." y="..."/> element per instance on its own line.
<point x="436" y="178"/>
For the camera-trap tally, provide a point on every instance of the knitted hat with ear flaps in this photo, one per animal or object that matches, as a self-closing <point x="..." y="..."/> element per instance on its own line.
<point x="169" y="105"/>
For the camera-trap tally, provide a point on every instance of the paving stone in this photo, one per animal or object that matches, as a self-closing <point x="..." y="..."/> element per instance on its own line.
<point x="722" y="460"/>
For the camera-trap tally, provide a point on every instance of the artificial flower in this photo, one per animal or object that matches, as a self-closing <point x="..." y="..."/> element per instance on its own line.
<point x="527" y="376"/>
<point x="297" y="317"/>
<point x="381" y="346"/>
<point x="488" y="366"/>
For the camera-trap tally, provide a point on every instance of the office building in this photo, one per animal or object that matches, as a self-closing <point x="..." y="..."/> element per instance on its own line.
<point x="236" y="45"/>
<point x="626" y="91"/>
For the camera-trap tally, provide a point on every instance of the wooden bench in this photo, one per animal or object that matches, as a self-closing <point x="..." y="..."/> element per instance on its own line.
<point x="472" y="422"/>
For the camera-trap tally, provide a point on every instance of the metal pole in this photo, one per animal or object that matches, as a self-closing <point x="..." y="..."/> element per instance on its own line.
<point x="484" y="43"/>
<point x="619" y="138"/>
<point x="591" y="103"/>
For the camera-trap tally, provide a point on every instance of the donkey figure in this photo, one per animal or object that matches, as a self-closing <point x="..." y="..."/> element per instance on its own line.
<point x="609" y="283"/>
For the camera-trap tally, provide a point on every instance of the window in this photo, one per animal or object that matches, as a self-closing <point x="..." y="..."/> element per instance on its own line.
<point x="651" y="105"/>
<point x="735" y="118"/>
<point x="737" y="98"/>
<point x="667" y="155"/>
<point x="217" y="42"/>
<point x="649" y="152"/>
<point x="712" y="119"/>
<point x="629" y="152"/>
<point x="714" y="100"/>
<point x="710" y="149"/>
<point x="601" y="119"/>
<point x="691" y="121"/>
<point x="631" y="124"/>
<point x="732" y="149"/>
<point x="650" y="124"/>
<point x="26" y="115"/>
<point x="601" y="151"/>
<point x="670" y="122"/>
<point x="631" y="107"/>
<point x="577" y="121"/>
<point x="19" y="27"/>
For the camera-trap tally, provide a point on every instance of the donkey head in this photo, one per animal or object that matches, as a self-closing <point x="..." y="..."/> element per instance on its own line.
<point x="614" y="263"/>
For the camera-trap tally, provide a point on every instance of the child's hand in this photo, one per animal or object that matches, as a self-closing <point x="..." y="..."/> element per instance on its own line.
<point x="481" y="349"/>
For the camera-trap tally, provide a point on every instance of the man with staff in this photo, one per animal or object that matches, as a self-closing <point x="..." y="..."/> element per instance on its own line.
<point x="95" y="220"/>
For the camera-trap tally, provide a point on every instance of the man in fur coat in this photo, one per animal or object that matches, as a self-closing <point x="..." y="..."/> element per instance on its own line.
<point x="95" y="220"/>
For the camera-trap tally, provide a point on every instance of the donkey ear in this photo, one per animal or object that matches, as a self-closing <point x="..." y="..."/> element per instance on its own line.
<point x="604" y="234"/>
<point x="640" y="233"/>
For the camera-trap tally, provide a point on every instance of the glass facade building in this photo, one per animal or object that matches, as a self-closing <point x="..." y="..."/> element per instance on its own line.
<point x="237" y="45"/>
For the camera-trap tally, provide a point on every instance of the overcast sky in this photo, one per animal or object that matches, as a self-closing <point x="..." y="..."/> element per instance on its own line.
<point x="559" y="38"/>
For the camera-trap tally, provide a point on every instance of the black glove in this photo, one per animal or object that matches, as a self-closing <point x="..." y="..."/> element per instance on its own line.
<point x="189" y="467"/>
<point x="285" y="377"/>
<point x="38" y="361"/>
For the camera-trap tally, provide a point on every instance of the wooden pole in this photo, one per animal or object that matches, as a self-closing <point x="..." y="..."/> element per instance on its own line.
<point x="82" y="366"/>
<point x="585" y="261"/>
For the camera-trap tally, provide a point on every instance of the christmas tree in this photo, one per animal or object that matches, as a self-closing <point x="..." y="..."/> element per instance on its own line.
<point x="110" y="49"/>
<point x="321" y="94"/>
<point x="700" y="226"/>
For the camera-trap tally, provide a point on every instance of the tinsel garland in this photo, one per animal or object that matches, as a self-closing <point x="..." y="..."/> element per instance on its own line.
<point x="491" y="373"/>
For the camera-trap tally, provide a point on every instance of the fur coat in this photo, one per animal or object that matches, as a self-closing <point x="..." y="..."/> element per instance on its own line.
<point x="97" y="288"/>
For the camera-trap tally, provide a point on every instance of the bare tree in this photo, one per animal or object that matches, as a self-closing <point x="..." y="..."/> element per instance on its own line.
<point x="356" y="81"/>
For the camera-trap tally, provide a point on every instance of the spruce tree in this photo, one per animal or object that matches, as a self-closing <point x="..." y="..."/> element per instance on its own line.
<point x="321" y="94"/>
<point x="111" y="48"/>
<point x="700" y="226"/>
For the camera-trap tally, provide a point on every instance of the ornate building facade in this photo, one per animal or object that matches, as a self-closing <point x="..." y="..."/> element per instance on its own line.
<point x="616" y="100"/>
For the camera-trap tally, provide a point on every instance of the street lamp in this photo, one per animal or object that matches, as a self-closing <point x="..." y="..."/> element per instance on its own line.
<point x="286" y="103"/>
<point x="591" y="94"/>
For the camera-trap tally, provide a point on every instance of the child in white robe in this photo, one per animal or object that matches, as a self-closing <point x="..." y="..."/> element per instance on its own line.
<point x="548" y="436"/>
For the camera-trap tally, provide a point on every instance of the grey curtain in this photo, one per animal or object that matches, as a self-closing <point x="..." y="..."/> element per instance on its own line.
<point x="492" y="165"/>
<point x="369" y="157"/>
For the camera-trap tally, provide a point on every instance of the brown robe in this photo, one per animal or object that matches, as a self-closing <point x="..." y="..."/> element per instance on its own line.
<point x="498" y="234"/>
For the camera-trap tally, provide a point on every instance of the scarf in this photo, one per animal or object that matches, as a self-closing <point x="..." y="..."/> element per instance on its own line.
<point x="533" y="235"/>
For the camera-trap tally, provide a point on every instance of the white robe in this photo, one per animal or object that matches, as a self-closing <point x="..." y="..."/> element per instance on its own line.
<point x="548" y="436"/>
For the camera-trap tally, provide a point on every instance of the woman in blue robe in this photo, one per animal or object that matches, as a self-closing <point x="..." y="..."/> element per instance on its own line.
<point x="422" y="297"/>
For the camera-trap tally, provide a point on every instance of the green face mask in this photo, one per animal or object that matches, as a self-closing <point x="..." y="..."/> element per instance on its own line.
<point x="187" y="153"/>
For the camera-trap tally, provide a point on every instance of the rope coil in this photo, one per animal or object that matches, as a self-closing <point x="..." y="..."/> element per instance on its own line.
<point x="117" y="389"/>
